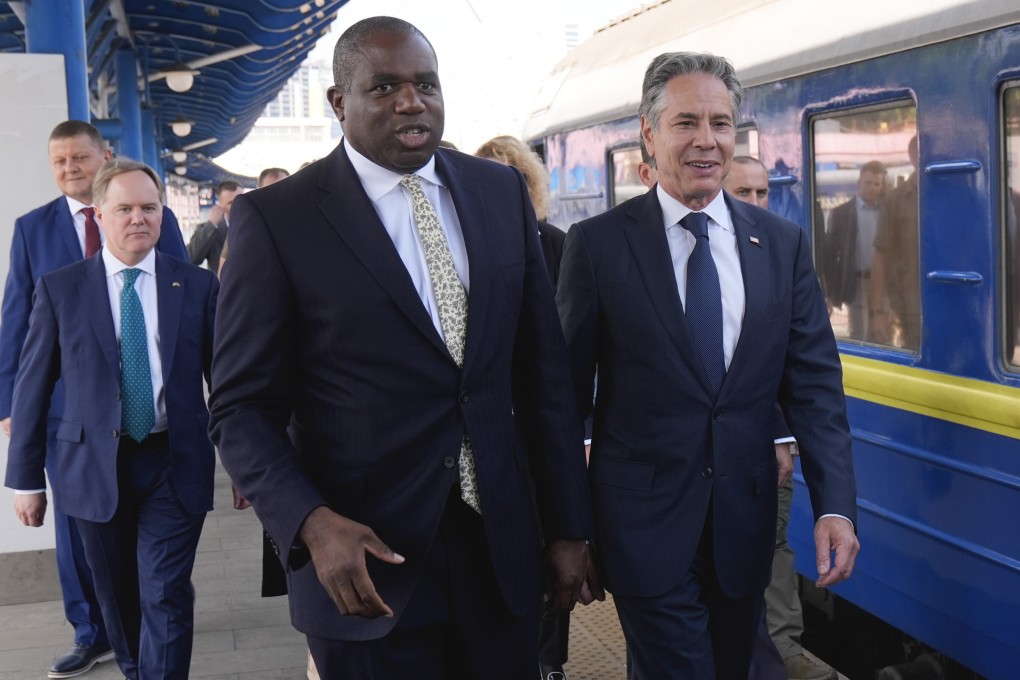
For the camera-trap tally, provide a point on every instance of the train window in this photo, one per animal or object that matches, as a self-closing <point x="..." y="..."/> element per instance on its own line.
<point x="626" y="181"/>
<point x="865" y="226"/>
<point x="747" y="142"/>
<point x="1011" y="120"/>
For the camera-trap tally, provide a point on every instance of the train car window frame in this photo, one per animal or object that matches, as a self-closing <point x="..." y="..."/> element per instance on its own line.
<point x="632" y="154"/>
<point x="1009" y="224"/>
<point x="747" y="139"/>
<point x="861" y="168"/>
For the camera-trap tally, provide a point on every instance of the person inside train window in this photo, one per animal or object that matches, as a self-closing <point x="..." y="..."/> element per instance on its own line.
<point x="849" y="246"/>
<point x="1012" y="209"/>
<point x="895" y="267"/>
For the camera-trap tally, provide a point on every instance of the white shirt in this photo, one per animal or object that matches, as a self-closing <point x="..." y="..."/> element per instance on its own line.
<point x="145" y="286"/>
<point x="393" y="204"/>
<point x="75" y="206"/>
<point x="722" y="240"/>
<point x="867" y="227"/>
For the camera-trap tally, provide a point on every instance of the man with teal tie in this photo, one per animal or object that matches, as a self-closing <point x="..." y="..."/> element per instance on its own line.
<point x="129" y="332"/>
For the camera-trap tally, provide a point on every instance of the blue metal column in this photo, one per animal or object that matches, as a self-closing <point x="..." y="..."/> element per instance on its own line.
<point x="129" y="104"/>
<point x="149" y="145"/>
<point x="59" y="28"/>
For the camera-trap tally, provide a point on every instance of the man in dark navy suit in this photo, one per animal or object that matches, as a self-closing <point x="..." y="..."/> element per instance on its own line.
<point x="390" y="388"/>
<point x="129" y="333"/>
<point x="699" y="313"/>
<point x="57" y="234"/>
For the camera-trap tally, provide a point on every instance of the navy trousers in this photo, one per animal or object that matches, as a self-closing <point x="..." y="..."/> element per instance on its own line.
<point x="142" y="561"/>
<point x="81" y="607"/>
<point x="693" y="632"/>
<point x="455" y="626"/>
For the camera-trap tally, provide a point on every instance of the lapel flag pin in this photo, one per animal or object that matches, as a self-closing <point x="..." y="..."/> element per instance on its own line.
<point x="176" y="284"/>
<point x="755" y="241"/>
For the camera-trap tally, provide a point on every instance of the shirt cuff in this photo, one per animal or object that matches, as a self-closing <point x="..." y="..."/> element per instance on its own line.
<point x="784" y="440"/>
<point x="19" y="492"/>
<point x="833" y="514"/>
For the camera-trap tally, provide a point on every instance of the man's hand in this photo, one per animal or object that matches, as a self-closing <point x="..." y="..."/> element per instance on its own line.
<point x="5" y="425"/>
<point x="571" y="575"/>
<point x="240" y="502"/>
<point x="30" y="508"/>
<point x="784" y="461"/>
<point x="834" y="535"/>
<point x="338" y="546"/>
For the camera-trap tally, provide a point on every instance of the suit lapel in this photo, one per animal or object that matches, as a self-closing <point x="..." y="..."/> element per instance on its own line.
<point x="474" y="220"/>
<point x="169" y="303"/>
<point x="754" y="268"/>
<point x="648" y="242"/>
<point x="350" y="213"/>
<point x="65" y="229"/>
<point x="96" y="302"/>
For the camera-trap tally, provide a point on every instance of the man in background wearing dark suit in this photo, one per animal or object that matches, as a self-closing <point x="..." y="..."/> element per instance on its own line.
<point x="699" y="313"/>
<point x="405" y="399"/>
<point x="206" y="244"/>
<point x="129" y="332"/>
<point x="53" y="236"/>
<point x="849" y="247"/>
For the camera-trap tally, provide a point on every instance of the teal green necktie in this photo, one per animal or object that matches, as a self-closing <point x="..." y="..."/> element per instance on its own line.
<point x="138" y="414"/>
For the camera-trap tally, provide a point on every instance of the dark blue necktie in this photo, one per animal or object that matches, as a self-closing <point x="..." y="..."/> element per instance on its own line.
<point x="704" y="301"/>
<point x="138" y="414"/>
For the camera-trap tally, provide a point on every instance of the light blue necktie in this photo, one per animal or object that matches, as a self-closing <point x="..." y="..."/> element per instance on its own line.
<point x="704" y="301"/>
<point x="138" y="414"/>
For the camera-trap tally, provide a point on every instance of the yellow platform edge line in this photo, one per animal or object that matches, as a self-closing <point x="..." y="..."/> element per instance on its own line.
<point x="973" y="403"/>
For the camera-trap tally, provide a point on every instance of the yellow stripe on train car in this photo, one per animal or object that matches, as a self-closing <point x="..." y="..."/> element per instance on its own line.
<point x="965" y="401"/>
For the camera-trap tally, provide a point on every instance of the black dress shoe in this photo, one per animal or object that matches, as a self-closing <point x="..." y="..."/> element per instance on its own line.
<point x="552" y="672"/>
<point x="79" y="660"/>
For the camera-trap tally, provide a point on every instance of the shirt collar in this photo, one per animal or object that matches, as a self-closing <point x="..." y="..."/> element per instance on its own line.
<point x="673" y="210"/>
<point x="864" y="205"/>
<point x="75" y="206"/>
<point x="379" y="181"/>
<point x="115" y="266"/>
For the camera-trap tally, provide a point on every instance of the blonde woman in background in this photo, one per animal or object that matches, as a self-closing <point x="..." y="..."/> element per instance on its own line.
<point x="512" y="151"/>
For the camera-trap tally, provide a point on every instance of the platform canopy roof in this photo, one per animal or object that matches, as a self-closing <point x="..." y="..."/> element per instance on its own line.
<point x="244" y="52"/>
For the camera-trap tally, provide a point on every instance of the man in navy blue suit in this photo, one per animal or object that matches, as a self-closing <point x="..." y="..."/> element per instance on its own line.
<point x="699" y="313"/>
<point x="129" y="333"/>
<point x="57" y="234"/>
<point x="390" y="388"/>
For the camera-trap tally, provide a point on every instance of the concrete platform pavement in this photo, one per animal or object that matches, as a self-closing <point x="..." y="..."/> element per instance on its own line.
<point x="240" y="635"/>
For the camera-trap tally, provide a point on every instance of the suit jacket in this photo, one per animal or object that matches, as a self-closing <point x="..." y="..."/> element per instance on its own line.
<point x="322" y="333"/>
<point x="71" y="337"/>
<point x="207" y="243"/>
<point x="44" y="241"/>
<point x="840" y="253"/>
<point x="665" y="451"/>
<point x="552" y="239"/>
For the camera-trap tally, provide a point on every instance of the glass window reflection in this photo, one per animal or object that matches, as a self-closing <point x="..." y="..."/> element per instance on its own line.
<point x="866" y="224"/>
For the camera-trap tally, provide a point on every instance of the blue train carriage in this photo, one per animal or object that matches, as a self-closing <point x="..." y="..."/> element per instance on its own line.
<point x="925" y="295"/>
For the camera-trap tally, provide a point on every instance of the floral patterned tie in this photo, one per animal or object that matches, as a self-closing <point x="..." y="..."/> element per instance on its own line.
<point x="138" y="414"/>
<point x="451" y="299"/>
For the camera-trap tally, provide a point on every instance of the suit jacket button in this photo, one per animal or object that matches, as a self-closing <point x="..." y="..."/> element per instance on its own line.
<point x="449" y="462"/>
<point x="706" y="473"/>
<point x="716" y="415"/>
<point x="464" y="396"/>
<point x="114" y="433"/>
<point x="118" y="396"/>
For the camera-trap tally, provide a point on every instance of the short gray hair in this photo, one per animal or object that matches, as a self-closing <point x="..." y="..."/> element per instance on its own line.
<point x="667" y="66"/>
<point x="119" y="166"/>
